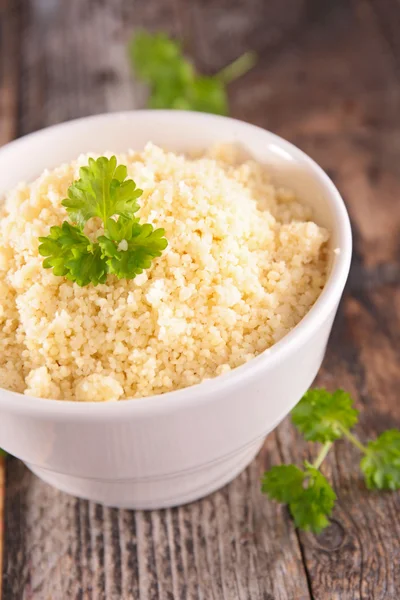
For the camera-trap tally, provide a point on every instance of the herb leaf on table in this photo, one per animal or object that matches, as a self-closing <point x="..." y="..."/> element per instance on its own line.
<point x="381" y="462"/>
<point x="325" y="417"/>
<point x="321" y="416"/>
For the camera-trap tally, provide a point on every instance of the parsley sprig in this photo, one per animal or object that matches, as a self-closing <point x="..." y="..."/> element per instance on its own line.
<point x="324" y="417"/>
<point x="127" y="246"/>
<point x="174" y="82"/>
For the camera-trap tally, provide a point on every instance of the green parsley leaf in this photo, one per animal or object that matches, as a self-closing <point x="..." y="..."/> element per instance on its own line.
<point x="3" y="453"/>
<point x="208" y="94"/>
<point x="308" y="494"/>
<point x="174" y="83"/>
<point x="126" y="248"/>
<point x="87" y="267"/>
<point x="101" y="191"/>
<point x="71" y="254"/>
<point x="57" y="246"/>
<point x="283" y="483"/>
<point x="159" y="59"/>
<point x="321" y="416"/>
<point x="311" y="509"/>
<point x="381" y="463"/>
<point x="325" y="417"/>
<point x="136" y="247"/>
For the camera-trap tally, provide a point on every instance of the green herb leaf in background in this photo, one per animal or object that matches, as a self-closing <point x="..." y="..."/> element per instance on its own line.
<point x="174" y="83"/>
<point x="158" y="58"/>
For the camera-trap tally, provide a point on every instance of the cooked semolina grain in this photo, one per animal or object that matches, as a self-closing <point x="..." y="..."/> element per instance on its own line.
<point x="244" y="264"/>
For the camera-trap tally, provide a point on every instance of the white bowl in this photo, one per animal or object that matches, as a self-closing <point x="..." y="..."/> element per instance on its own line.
<point x="173" y="448"/>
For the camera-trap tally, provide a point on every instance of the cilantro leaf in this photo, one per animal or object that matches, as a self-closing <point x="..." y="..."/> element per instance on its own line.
<point x="381" y="463"/>
<point x="321" y="416"/>
<point x="136" y="247"/>
<point x="308" y="494"/>
<point x="101" y="191"/>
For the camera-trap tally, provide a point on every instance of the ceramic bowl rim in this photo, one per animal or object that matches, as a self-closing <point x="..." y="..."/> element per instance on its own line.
<point x="165" y="403"/>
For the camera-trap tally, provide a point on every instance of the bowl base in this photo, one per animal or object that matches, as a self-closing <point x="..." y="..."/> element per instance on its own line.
<point x="149" y="493"/>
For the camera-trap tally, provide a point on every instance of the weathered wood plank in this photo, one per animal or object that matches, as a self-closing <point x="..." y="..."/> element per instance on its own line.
<point x="75" y="59"/>
<point x="351" y="134"/>
<point x="9" y="58"/>
<point x="233" y="544"/>
<point x="387" y="13"/>
<point x="333" y="90"/>
<point x="326" y="80"/>
<point x="2" y="496"/>
<point x="357" y="556"/>
<point x="215" y="549"/>
<point x="217" y="32"/>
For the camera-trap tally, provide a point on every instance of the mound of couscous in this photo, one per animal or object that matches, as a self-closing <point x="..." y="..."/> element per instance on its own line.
<point x="244" y="264"/>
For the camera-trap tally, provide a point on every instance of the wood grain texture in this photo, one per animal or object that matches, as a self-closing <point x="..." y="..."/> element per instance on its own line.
<point x="2" y="496"/>
<point x="232" y="544"/>
<point x="328" y="80"/>
<point x="346" y="116"/>
<point x="9" y="63"/>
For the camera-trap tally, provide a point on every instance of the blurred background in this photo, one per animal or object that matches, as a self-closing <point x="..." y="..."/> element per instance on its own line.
<point x="327" y="78"/>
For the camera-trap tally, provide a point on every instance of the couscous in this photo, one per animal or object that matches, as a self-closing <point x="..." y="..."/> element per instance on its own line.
<point x="244" y="264"/>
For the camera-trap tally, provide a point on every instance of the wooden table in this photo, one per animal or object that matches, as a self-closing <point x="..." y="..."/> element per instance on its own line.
<point x="328" y="80"/>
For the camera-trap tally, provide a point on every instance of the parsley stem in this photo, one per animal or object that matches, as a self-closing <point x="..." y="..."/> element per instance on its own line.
<point x="352" y="438"/>
<point x="322" y="455"/>
<point x="238" y="67"/>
